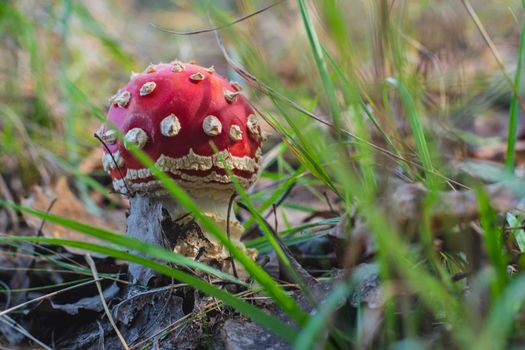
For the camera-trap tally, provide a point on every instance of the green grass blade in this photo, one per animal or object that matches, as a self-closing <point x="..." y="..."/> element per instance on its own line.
<point x="518" y="233"/>
<point x="310" y="332"/>
<point x="493" y="241"/>
<point x="347" y="88"/>
<point x="502" y="317"/>
<point x="279" y="191"/>
<point x="272" y="288"/>
<point x="514" y="104"/>
<point x="417" y="128"/>
<point x="124" y="241"/>
<point x="99" y="32"/>
<point x="269" y="234"/>
<point x="273" y="324"/>
<point x="320" y="62"/>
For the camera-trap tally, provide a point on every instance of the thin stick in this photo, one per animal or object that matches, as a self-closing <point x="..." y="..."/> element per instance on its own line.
<point x="254" y="82"/>
<point x="282" y="199"/>
<point x="50" y="206"/>
<point x="276" y="222"/>
<point x="114" y="162"/>
<point x="492" y="47"/>
<point x="4" y="189"/>
<point x="329" y="203"/>
<point x="201" y="31"/>
<point x="91" y="264"/>
<point x="230" y="204"/>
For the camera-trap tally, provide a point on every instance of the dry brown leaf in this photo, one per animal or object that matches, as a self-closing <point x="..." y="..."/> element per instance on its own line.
<point x="92" y="161"/>
<point x="68" y="206"/>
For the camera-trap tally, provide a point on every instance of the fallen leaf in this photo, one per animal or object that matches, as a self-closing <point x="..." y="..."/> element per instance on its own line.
<point x="65" y="204"/>
<point x="92" y="161"/>
<point x="91" y="303"/>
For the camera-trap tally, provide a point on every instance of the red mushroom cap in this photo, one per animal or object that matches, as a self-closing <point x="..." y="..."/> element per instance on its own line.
<point x="174" y="112"/>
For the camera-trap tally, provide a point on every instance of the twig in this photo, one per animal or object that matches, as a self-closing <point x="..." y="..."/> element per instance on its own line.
<point x="114" y="162"/>
<point x="230" y="204"/>
<point x="254" y="82"/>
<point x="4" y="189"/>
<point x="296" y="271"/>
<point x="329" y="203"/>
<point x="460" y="275"/>
<point x="209" y="30"/>
<point x="493" y="49"/>
<point x="91" y="264"/>
<point x="276" y="222"/>
<point x="49" y="207"/>
<point x="282" y="199"/>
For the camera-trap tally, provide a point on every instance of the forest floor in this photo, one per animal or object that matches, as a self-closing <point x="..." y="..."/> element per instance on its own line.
<point x="389" y="208"/>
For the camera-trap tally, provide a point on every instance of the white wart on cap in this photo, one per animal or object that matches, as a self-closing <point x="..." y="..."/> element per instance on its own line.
<point x="212" y="126"/>
<point x="170" y="126"/>
<point x="135" y="136"/>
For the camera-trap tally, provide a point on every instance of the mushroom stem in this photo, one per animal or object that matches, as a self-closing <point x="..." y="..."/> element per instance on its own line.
<point x="145" y="223"/>
<point x="198" y="243"/>
<point x="214" y="205"/>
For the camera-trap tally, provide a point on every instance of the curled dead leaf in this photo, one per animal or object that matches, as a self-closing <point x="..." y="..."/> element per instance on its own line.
<point x="65" y="204"/>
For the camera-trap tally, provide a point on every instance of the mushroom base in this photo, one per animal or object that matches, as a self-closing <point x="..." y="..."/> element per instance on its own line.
<point x="197" y="243"/>
<point x="148" y="222"/>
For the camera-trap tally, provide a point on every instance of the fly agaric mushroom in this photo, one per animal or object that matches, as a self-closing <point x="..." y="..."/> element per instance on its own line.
<point x="178" y="113"/>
